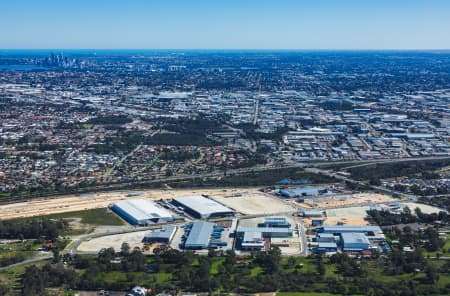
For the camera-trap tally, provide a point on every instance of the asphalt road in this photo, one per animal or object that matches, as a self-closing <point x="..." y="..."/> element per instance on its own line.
<point x="32" y="260"/>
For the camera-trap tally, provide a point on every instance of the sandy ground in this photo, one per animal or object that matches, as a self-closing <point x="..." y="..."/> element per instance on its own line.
<point x="134" y="239"/>
<point x="349" y="216"/>
<point x="345" y="200"/>
<point x="424" y="208"/>
<point x="77" y="202"/>
<point x="253" y="202"/>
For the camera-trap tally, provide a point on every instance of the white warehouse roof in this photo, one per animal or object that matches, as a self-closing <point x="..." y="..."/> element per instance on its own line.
<point x="205" y="207"/>
<point x="141" y="209"/>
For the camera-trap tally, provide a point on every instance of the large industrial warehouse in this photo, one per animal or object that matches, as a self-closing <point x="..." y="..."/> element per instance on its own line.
<point x="202" y="207"/>
<point x="199" y="235"/>
<point x="141" y="212"/>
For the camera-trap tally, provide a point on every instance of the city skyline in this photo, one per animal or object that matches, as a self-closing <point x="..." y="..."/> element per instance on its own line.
<point x="267" y="25"/>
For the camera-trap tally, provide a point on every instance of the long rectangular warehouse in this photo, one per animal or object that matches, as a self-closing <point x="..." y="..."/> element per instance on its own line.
<point x="266" y="231"/>
<point x="202" y="207"/>
<point x="338" y="229"/>
<point x="199" y="236"/>
<point x="141" y="212"/>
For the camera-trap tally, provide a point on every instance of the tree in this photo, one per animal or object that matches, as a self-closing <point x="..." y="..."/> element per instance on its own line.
<point x="125" y="249"/>
<point x="432" y="274"/>
<point x="33" y="281"/>
<point x="56" y="256"/>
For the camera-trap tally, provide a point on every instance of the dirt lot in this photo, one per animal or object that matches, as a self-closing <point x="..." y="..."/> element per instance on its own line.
<point x="345" y="200"/>
<point x="79" y="202"/>
<point x="349" y="216"/>
<point x="134" y="239"/>
<point x="253" y="202"/>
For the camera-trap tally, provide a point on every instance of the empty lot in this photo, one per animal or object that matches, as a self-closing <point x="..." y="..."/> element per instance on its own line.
<point x="253" y="202"/>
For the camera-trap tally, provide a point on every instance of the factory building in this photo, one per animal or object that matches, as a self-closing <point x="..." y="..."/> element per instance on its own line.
<point x="252" y="240"/>
<point x="338" y="229"/>
<point x="141" y="212"/>
<point x="199" y="235"/>
<point x="201" y="207"/>
<point x="279" y="222"/>
<point x="312" y="213"/>
<point x="325" y="238"/>
<point x="163" y="235"/>
<point x="265" y="231"/>
<point x="326" y="247"/>
<point x="354" y="241"/>
<point x="302" y="191"/>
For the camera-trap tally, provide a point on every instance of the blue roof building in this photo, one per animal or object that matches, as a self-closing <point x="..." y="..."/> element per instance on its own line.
<point x="329" y="247"/>
<point x="199" y="235"/>
<point x="338" y="229"/>
<point x="325" y="238"/>
<point x="301" y="191"/>
<point x="275" y="222"/>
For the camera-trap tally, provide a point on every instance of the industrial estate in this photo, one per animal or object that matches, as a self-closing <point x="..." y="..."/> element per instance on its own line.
<point x="215" y="173"/>
<point x="256" y="220"/>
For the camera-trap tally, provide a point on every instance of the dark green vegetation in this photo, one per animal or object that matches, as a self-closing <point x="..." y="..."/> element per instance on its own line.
<point x="174" y="271"/>
<point x="384" y="218"/>
<point x="418" y="231"/>
<point x="397" y="169"/>
<point x="422" y="190"/>
<point x="420" y="240"/>
<point x="438" y="201"/>
<point x="267" y="177"/>
<point x="18" y="251"/>
<point x="30" y="234"/>
<point x="255" y="178"/>
<point x="111" y="119"/>
<point x="422" y="244"/>
<point x="251" y="133"/>
<point x="31" y="229"/>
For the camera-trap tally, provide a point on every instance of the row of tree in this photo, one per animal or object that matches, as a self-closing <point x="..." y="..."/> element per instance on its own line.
<point x="31" y="228"/>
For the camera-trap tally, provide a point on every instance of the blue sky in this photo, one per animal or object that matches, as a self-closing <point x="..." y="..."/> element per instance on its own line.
<point x="225" y="24"/>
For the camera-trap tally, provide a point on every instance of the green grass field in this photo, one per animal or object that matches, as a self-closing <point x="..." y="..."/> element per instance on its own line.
<point x="95" y="217"/>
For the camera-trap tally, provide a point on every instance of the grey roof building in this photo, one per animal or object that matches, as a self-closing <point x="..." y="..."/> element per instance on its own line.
<point x="199" y="235"/>
<point x="354" y="241"/>
<point x="163" y="235"/>
<point x="202" y="207"/>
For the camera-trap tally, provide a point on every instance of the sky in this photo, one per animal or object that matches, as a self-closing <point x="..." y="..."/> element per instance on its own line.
<point x="224" y="24"/>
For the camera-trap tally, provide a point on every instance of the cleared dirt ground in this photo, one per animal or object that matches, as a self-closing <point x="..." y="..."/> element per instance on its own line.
<point x="345" y="200"/>
<point x="134" y="239"/>
<point x="79" y="202"/>
<point x="253" y="202"/>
